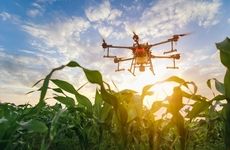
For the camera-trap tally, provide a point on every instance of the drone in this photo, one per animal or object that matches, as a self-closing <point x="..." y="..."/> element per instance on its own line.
<point x="142" y="55"/>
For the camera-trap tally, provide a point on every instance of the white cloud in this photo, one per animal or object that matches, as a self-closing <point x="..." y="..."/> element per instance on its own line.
<point x="105" y="31"/>
<point x="64" y="35"/>
<point x="166" y="16"/>
<point x="228" y="20"/>
<point x="52" y="44"/>
<point x="99" y="13"/>
<point x="45" y="1"/>
<point x="5" y="16"/>
<point x="34" y="12"/>
<point x="36" y="5"/>
<point x="114" y="13"/>
<point x="102" y="12"/>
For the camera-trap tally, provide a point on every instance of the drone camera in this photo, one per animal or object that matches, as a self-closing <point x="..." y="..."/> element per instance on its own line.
<point x="142" y="68"/>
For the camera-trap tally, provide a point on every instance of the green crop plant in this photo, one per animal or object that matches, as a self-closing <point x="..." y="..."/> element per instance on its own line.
<point x="224" y="48"/>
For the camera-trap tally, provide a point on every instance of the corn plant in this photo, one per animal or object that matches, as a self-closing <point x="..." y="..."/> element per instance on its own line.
<point x="224" y="48"/>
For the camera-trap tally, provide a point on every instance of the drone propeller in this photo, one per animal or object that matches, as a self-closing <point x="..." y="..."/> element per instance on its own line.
<point x="104" y="44"/>
<point x="176" y="37"/>
<point x="173" y="41"/>
<point x="184" y="34"/>
<point x="135" y="37"/>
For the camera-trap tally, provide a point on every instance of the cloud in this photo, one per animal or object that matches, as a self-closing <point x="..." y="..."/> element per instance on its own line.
<point x="102" y="12"/>
<point x="164" y="17"/>
<point x="34" y="12"/>
<point x="99" y="13"/>
<point x="45" y="1"/>
<point x="5" y="16"/>
<point x="63" y="35"/>
<point x="64" y="40"/>
<point x="228" y="20"/>
<point x="105" y="31"/>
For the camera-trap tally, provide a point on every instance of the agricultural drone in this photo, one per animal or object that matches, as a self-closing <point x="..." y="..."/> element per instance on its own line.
<point x="142" y="55"/>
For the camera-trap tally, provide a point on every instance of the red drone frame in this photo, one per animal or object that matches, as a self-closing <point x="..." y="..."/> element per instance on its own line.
<point x="142" y="55"/>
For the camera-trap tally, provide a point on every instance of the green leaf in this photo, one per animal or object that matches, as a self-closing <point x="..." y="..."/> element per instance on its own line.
<point x="105" y="112"/>
<point x="73" y="64"/>
<point x="58" y="90"/>
<point x="147" y="88"/>
<point x="227" y="85"/>
<point x="122" y="114"/>
<point x="3" y="120"/>
<point x="177" y="80"/>
<point x="98" y="103"/>
<point x="44" y="87"/>
<point x="146" y="92"/>
<point x="64" y="85"/>
<point x="218" y="98"/>
<point x="46" y="83"/>
<point x="54" y="124"/>
<point x="84" y="101"/>
<point x="93" y="76"/>
<point x="197" y="108"/>
<point x="218" y="85"/>
<point x="109" y="98"/>
<point x="132" y="112"/>
<point x="157" y="105"/>
<point x="68" y="101"/>
<point x="194" y="97"/>
<point x="179" y="122"/>
<point x="34" y="126"/>
<point x="224" y="48"/>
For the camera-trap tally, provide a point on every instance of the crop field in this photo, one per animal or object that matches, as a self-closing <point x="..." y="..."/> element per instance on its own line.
<point x="119" y="120"/>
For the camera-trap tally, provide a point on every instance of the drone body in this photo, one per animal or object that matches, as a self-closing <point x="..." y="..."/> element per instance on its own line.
<point x="142" y="56"/>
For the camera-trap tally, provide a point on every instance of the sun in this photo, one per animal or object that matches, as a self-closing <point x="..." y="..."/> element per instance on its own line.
<point x="160" y="91"/>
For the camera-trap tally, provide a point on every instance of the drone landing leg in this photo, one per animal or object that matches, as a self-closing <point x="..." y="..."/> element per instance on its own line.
<point x="118" y="67"/>
<point x="151" y="67"/>
<point x="174" y="65"/>
<point x="132" y="67"/>
<point x="172" y="49"/>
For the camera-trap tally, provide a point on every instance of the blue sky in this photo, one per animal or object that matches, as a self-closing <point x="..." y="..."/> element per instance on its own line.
<point x="36" y="36"/>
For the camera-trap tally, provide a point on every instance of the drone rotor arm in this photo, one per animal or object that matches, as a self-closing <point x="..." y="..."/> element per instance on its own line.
<point x="117" y="60"/>
<point x="159" y="43"/>
<point x="174" y="56"/>
<point x="124" y="47"/>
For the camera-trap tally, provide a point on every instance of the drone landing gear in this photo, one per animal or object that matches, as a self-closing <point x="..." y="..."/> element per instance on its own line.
<point x="151" y="66"/>
<point x="107" y="54"/>
<point x="174" y="65"/>
<point x="172" y="50"/>
<point x="140" y="66"/>
<point x="118" y="68"/>
<point x="132" y="67"/>
<point x="117" y="60"/>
